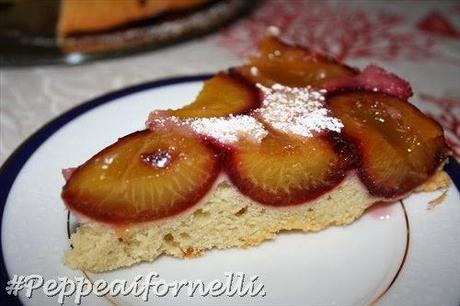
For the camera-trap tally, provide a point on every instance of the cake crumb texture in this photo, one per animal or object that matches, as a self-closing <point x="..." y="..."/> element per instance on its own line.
<point x="223" y="220"/>
<point x="440" y="180"/>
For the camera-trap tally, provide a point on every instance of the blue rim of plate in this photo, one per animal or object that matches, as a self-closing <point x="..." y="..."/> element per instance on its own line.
<point x="13" y="165"/>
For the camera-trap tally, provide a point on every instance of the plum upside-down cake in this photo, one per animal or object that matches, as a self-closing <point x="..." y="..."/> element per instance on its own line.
<point x="292" y="140"/>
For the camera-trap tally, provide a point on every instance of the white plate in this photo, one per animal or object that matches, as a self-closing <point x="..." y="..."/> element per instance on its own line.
<point x="405" y="254"/>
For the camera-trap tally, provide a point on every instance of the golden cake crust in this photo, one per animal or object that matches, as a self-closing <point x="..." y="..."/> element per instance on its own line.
<point x="78" y="16"/>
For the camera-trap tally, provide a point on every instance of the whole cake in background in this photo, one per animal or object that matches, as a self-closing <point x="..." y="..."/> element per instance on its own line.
<point x="89" y="16"/>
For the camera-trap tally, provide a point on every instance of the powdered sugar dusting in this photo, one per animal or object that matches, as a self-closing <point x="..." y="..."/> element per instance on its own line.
<point x="230" y="129"/>
<point x="226" y="130"/>
<point x="295" y="110"/>
<point x="273" y="31"/>
<point x="292" y="110"/>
